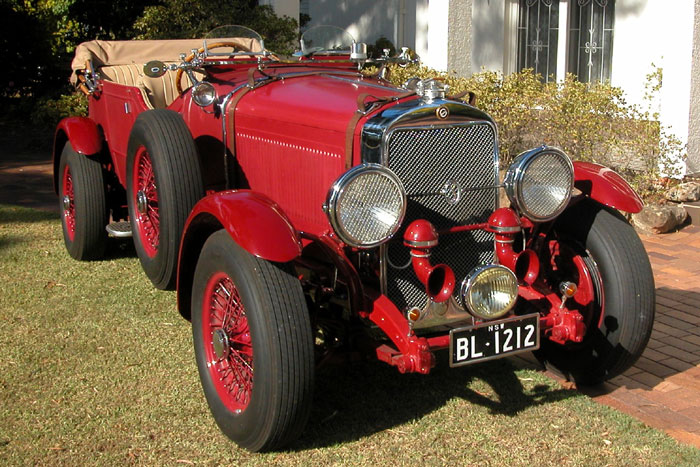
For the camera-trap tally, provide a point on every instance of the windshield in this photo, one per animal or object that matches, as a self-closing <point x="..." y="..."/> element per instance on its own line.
<point x="233" y="40"/>
<point x="326" y="40"/>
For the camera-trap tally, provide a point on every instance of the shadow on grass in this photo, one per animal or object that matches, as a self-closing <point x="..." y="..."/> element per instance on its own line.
<point x="17" y="214"/>
<point x="118" y="248"/>
<point x="8" y="241"/>
<point x="355" y="401"/>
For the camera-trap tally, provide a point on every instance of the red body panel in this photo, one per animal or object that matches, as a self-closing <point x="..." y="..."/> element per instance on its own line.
<point x="290" y="142"/>
<point x="82" y="134"/>
<point x="606" y="186"/>
<point x="246" y="215"/>
<point x="115" y="109"/>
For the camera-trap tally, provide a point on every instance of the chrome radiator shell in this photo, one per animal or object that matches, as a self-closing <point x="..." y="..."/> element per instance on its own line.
<point x="430" y="154"/>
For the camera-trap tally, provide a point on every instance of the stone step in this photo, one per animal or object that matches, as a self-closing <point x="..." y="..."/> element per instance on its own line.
<point x="120" y="229"/>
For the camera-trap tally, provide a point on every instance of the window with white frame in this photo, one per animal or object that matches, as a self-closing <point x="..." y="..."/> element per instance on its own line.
<point x="555" y="37"/>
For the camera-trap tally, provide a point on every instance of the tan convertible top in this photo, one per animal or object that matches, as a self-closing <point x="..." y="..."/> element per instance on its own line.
<point x="110" y="53"/>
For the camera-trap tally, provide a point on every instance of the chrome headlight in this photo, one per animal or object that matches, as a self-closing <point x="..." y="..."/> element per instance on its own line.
<point x="203" y="94"/>
<point x="539" y="183"/>
<point x="366" y="205"/>
<point x="489" y="291"/>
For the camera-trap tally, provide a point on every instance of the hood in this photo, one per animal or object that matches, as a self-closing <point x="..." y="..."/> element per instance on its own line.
<point x="325" y="101"/>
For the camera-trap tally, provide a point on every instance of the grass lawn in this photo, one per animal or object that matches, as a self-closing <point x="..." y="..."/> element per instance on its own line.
<point x="97" y="367"/>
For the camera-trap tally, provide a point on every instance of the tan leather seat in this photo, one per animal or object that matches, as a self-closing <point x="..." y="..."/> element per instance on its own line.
<point x="158" y="93"/>
<point x="122" y="62"/>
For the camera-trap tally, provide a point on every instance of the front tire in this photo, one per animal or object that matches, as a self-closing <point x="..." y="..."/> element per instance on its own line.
<point x="621" y="295"/>
<point x="253" y="345"/>
<point x="163" y="184"/>
<point x="83" y="205"/>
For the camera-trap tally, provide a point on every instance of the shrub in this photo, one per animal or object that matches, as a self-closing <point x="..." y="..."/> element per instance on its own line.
<point x="189" y="19"/>
<point x="591" y="122"/>
<point x="49" y="111"/>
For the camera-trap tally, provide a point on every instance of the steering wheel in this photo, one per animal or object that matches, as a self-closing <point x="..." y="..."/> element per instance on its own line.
<point x="215" y="45"/>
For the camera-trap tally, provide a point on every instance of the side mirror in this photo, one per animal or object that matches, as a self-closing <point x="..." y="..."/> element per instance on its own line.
<point x="155" y="69"/>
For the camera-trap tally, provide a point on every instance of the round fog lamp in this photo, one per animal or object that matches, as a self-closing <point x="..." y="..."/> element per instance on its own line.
<point x="366" y="205"/>
<point x="489" y="291"/>
<point x="203" y="94"/>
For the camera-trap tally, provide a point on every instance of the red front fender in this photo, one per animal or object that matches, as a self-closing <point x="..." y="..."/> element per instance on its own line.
<point x="84" y="137"/>
<point x="253" y="220"/>
<point x="606" y="186"/>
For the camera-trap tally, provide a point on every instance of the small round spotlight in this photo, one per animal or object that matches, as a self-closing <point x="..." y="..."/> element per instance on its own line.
<point x="489" y="291"/>
<point x="203" y="94"/>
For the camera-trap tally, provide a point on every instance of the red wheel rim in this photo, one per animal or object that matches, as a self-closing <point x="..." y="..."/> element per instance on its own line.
<point x="228" y="347"/>
<point x="145" y="201"/>
<point x="68" y="203"/>
<point x="570" y="265"/>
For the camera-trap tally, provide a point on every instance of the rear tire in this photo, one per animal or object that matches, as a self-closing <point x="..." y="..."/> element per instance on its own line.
<point x="83" y="205"/>
<point x="622" y="313"/>
<point x="163" y="183"/>
<point x="253" y="345"/>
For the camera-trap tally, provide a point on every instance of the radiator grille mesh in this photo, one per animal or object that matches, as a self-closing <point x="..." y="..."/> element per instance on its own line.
<point x="426" y="160"/>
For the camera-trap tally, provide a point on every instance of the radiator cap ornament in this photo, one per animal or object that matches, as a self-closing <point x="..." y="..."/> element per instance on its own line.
<point x="427" y="89"/>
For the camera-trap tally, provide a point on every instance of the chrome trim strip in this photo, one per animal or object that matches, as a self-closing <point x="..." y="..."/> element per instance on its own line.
<point x="426" y="244"/>
<point x="498" y="229"/>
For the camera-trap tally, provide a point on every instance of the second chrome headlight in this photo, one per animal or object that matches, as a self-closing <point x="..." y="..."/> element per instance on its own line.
<point x="539" y="183"/>
<point x="366" y="205"/>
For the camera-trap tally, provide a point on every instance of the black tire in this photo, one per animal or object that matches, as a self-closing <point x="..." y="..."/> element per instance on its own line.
<point x="278" y="339"/>
<point x="161" y="142"/>
<point x="83" y="205"/>
<point x="624" y="295"/>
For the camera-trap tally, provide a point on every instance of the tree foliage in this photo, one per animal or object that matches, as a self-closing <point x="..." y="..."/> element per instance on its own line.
<point x="38" y="37"/>
<point x="187" y="19"/>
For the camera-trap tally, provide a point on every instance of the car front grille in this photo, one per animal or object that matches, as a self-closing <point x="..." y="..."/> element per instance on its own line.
<point x="426" y="160"/>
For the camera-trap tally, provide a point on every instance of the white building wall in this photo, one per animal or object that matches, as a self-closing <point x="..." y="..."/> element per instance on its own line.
<point x="436" y="54"/>
<point x="488" y="35"/>
<point x="368" y="20"/>
<point x="659" y="32"/>
<point x="694" y="125"/>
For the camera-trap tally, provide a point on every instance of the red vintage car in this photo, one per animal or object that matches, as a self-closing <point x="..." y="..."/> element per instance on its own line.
<point x="308" y="211"/>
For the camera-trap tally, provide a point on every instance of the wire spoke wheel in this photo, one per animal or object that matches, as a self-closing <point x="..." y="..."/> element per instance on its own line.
<point x="230" y="350"/>
<point x="253" y="345"/>
<point x="82" y="204"/>
<point x="163" y="183"/>
<point x="146" y="199"/>
<point x="68" y="203"/>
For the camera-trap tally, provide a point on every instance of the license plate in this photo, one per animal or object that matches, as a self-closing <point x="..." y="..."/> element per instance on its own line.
<point x="494" y="339"/>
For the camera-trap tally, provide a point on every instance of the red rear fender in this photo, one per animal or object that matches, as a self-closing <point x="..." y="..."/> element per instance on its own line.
<point x="84" y="137"/>
<point x="255" y="222"/>
<point x="606" y="186"/>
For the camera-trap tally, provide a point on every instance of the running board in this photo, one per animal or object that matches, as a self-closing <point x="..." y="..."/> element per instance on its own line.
<point x="119" y="229"/>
